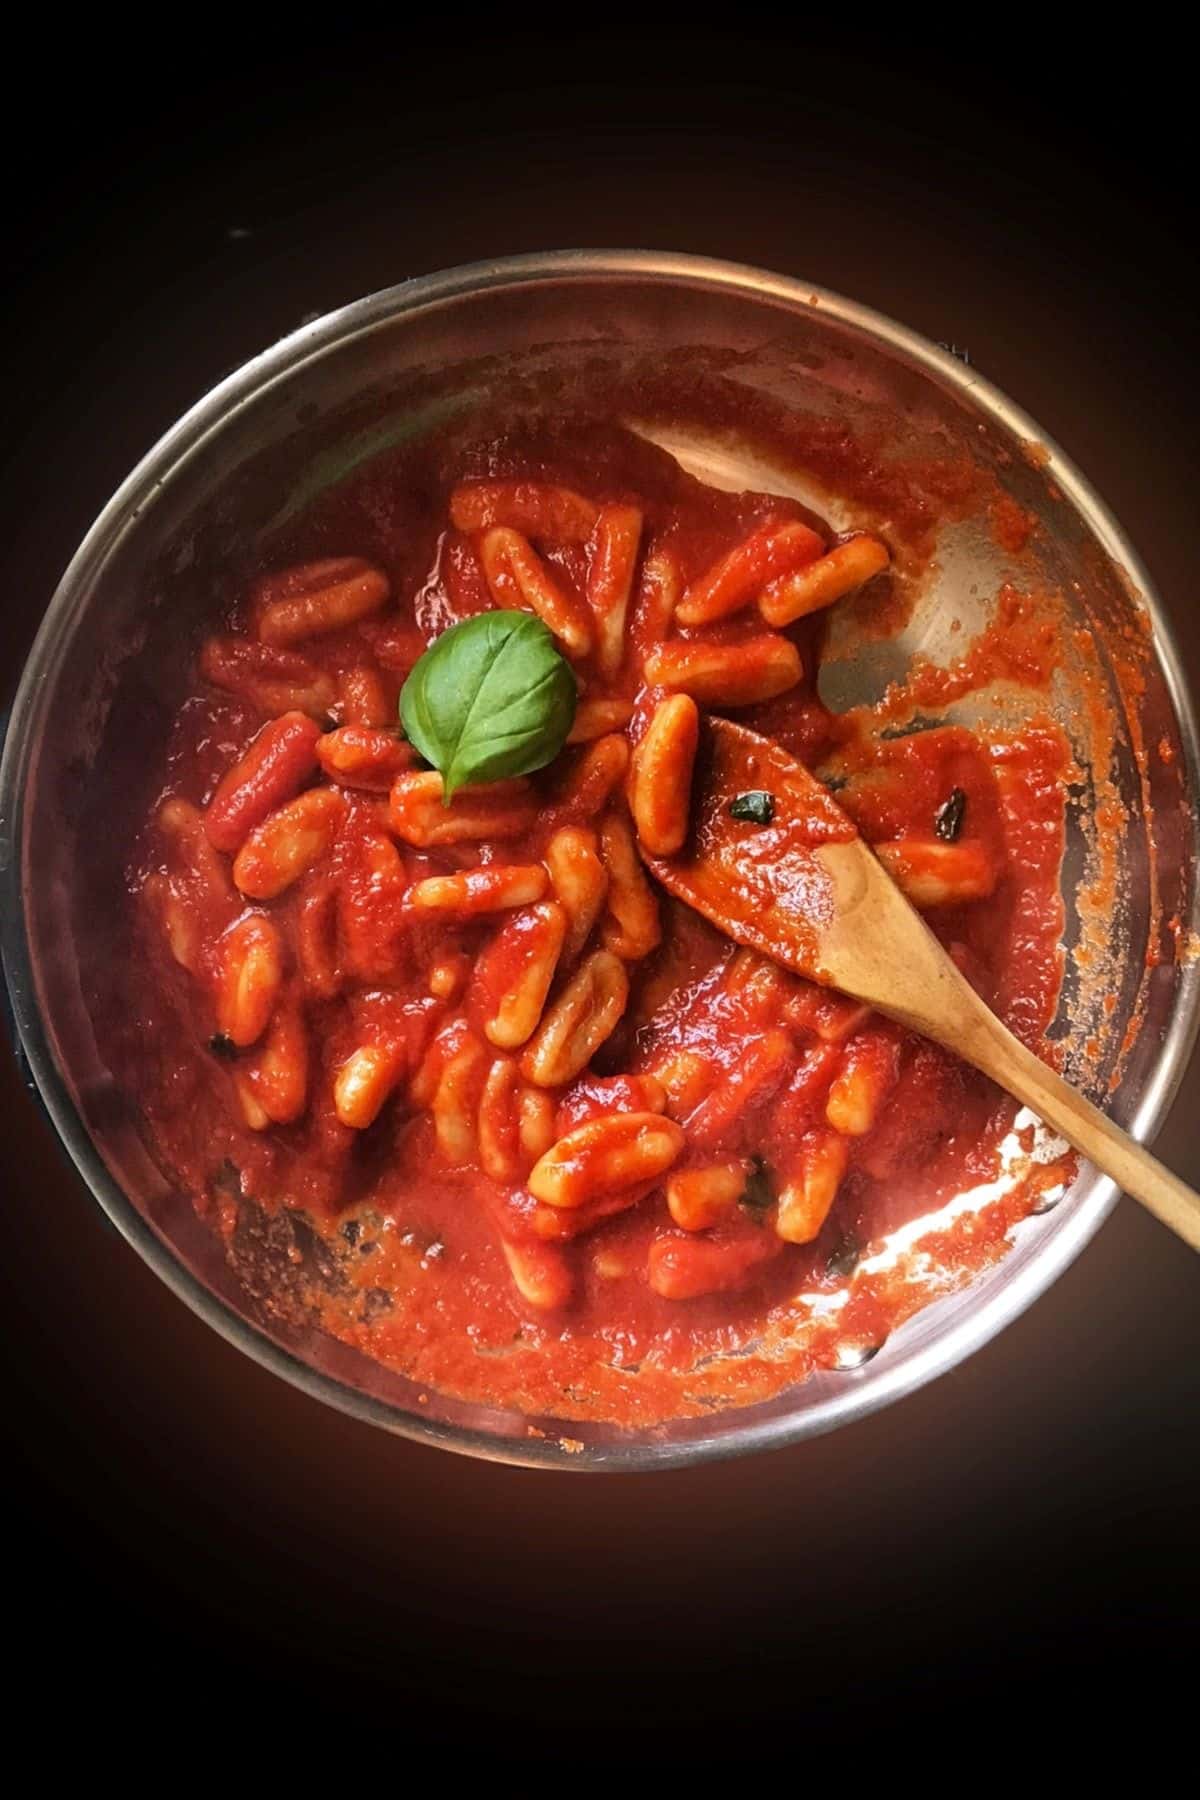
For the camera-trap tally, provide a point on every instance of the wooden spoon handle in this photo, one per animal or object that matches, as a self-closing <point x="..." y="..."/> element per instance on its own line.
<point x="992" y="1048"/>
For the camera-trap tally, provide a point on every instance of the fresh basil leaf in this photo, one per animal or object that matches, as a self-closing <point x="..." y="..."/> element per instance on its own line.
<point x="758" y="806"/>
<point x="490" y="698"/>
<point x="949" y="820"/>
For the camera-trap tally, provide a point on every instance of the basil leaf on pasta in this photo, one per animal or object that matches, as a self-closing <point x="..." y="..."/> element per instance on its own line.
<point x="491" y="698"/>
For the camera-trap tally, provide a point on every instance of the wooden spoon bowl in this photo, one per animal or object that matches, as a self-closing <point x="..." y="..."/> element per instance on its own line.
<point x="802" y="887"/>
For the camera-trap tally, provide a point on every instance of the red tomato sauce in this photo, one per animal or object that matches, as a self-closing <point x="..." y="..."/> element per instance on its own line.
<point x="784" y="1108"/>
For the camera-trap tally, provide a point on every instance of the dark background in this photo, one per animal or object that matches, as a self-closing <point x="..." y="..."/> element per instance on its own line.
<point x="196" y="1532"/>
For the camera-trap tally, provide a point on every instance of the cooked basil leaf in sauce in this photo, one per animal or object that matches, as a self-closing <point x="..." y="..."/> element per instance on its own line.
<point x="757" y="806"/>
<point x="949" y="820"/>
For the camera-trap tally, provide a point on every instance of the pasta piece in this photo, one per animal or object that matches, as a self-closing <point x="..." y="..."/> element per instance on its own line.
<point x="661" y="786"/>
<point x="610" y="581"/>
<point x="932" y="873"/>
<point x="610" y="1264"/>
<point x="841" y="1021"/>
<point x="824" y="581"/>
<point x="371" y="906"/>
<point x="757" y="1073"/>
<point x="698" y="1199"/>
<point x="597" y="717"/>
<point x="453" y="1105"/>
<point x="761" y="985"/>
<point x="428" y="1072"/>
<point x="180" y="925"/>
<point x="496" y="809"/>
<point x="809" y="1082"/>
<point x="592" y="778"/>
<point x="478" y="891"/>
<point x="362" y="698"/>
<point x="605" y="1156"/>
<point x="365" y="1081"/>
<point x="275" y="681"/>
<point x="449" y="1082"/>
<point x="541" y="1274"/>
<point x="514" y="974"/>
<point x="512" y="1134"/>
<point x="805" y="1199"/>
<point x="193" y="895"/>
<point x="519" y="580"/>
<point x="870" y="1067"/>
<point x="829" y="1016"/>
<point x="288" y="842"/>
<point x="534" y="508"/>
<point x="250" y="976"/>
<point x="659" y="594"/>
<point x="318" y="597"/>
<point x="364" y="756"/>
<point x="728" y="675"/>
<point x="585" y="1013"/>
<point x="559" y="1224"/>
<point x="535" y="1123"/>
<point x="276" y="1078"/>
<point x="631" y="927"/>
<point x="594" y="1097"/>
<point x="179" y="820"/>
<point x="580" y="884"/>
<point x="273" y="769"/>
<point x="253" y="1112"/>
<point x="499" y="1143"/>
<point x="192" y="856"/>
<point x="316" y="942"/>
<point x="192" y="910"/>
<point x="774" y="549"/>
<point x="686" y="1077"/>
<point x="449" y="975"/>
<point x="688" y="1268"/>
<point x="398" y="646"/>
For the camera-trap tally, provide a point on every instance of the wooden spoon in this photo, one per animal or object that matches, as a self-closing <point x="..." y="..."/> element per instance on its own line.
<point x="805" y="890"/>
